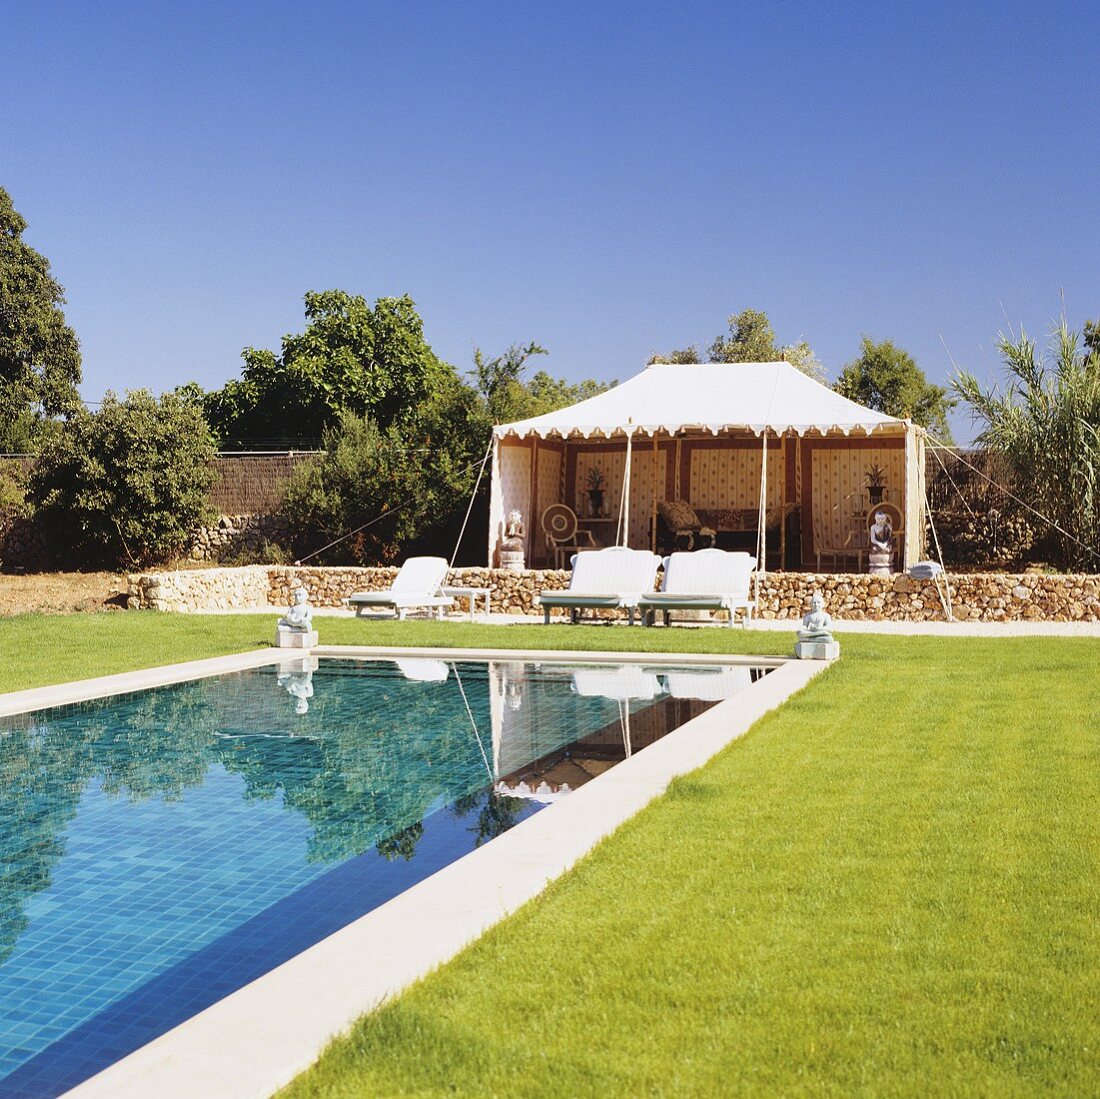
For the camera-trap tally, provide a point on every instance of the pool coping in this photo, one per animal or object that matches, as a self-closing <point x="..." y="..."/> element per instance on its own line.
<point x="260" y="1037"/>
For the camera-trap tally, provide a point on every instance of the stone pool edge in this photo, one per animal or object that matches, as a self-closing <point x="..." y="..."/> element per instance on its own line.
<point x="260" y="1037"/>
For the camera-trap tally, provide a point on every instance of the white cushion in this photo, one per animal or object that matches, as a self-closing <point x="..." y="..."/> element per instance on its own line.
<point x="615" y="570"/>
<point x="709" y="572"/>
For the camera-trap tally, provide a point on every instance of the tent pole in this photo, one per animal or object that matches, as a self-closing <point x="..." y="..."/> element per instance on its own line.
<point x="782" y="501"/>
<point x="762" y="560"/>
<point x="653" y="518"/>
<point x="534" y="502"/>
<point x="625" y="510"/>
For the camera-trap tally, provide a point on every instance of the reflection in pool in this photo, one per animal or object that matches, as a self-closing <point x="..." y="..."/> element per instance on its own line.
<point x="160" y="849"/>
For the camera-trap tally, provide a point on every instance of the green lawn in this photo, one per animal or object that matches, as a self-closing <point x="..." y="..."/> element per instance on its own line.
<point x="889" y="887"/>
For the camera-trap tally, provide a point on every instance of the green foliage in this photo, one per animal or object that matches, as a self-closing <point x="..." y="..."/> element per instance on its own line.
<point x="39" y="353"/>
<point x="751" y="339"/>
<point x="687" y="356"/>
<point x="509" y="398"/>
<point x="1046" y="423"/>
<point x="1091" y="337"/>
<point x="127" y="484"/>
<point x="408" y="483"/>
<point x="13" y="492"/>
<point x="350" y="358"/>
<point x="886" y="378"/>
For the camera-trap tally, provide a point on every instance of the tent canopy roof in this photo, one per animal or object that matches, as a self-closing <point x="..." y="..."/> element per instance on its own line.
<point x="709" y="397"/>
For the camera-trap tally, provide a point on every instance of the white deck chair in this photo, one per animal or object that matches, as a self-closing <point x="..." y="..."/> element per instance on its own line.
<point x="706" y="580"/>
<point x="419" y="583"/>
<point x="615" y="577"/>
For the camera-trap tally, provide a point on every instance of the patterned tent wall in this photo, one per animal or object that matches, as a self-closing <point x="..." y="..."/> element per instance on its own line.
<point x="730" y="478"/>
<point x="840" y="491"/>
<point x="722" y="472"/>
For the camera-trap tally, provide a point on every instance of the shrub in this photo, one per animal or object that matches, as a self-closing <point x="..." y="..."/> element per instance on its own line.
<point x="126" y="485"/>
<point x="1046" y="424"/>
<point x="13" y="500"/>
<point x="411" y="488"/>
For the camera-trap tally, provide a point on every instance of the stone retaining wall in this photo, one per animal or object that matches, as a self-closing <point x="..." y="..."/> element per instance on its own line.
<point x="975" y="597"/>
<point x="200" y="589"/>
<point x="233" y="534"/>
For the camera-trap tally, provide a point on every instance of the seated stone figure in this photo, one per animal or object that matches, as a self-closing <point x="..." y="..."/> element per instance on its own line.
<point x="299" y="615"/>
<point x="817" y="623"/>
<point x="514" y="532"/>
<point x="882" y="532"/>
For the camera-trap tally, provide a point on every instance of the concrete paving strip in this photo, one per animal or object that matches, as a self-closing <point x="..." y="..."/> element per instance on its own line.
<point x="260" y="1037"/>
<point x="938" y="628"/>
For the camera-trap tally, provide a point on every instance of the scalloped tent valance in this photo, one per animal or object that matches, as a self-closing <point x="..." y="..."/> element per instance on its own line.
<point x="712" y="397"/>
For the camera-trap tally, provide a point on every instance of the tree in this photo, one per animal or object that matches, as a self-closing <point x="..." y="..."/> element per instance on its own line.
<point x="407" y="485"/>
<point x="350" y="358"/>
<point x="1046" y="423"/>
<point x="125" y="485"/>
<point x="39" y="353"/>
<point x="886" y="378"/>
<point x="1092" y="337"/>
<point x="508" y="398"/>
<point x="687" y="356"/>
<point x="751" y="339"/>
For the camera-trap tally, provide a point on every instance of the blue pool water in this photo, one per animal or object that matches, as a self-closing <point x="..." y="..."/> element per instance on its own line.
<point x="161" y="849"/>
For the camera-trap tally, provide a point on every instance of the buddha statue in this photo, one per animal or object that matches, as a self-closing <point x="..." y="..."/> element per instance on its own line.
<point x="299" y="615"/>
<point x="882" y="533"/>
<point x="514" y="532"/>
<point x="817" y="623"/>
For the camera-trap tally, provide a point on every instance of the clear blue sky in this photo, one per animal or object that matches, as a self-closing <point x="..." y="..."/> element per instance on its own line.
<point x="608" y="179"/>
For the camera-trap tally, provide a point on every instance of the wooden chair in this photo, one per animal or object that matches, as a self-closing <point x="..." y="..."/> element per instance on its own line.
<point x="564" y="535"/>
<point x="854" y="545"/>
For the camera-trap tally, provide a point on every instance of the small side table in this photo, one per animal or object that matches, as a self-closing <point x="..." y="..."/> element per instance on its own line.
<point x="471" y="595"/>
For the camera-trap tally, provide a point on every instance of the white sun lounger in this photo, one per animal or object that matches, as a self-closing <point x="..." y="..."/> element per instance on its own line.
<point x="706" y="580"/>
<point x="419" y="583"/>
<point x="612" y="578"/>
<point x="707" y="685"/>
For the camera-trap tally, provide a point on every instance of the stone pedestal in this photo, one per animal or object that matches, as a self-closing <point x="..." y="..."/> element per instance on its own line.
<point x="880" y="563"/>
<point x="286" y="638"/>
<point x="512" y="560"/>
<point x="817" y="650"/>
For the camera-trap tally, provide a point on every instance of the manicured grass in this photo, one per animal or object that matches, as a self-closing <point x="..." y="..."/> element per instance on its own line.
<point x="37" y="650"/>
<point x="890" y="886"/>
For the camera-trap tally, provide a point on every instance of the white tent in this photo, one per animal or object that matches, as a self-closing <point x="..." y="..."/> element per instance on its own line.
<point x="708" y="434"/>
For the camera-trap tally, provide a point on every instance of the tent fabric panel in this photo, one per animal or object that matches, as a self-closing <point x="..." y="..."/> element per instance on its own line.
<point x="723" y="477"/>
<point x="914" y="499"/>
<point x="511" y="489"/>
<point x="710" y="397"/>
<point x="642" y="476"/>
<point x="839" y="491"/>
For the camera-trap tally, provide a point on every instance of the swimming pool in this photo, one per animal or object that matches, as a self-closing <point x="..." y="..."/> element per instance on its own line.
<point x="160" y="849"/>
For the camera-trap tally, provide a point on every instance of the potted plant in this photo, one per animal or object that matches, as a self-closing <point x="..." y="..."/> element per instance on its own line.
<point x="594" y="483"/>
<point x="876" y="483"/>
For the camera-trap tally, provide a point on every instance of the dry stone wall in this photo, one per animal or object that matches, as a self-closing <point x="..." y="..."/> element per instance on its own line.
<point x="233" y="534"/>
<point x="975" y="597"/>
<point x="510" y="592"/>
<point x="190" y="590"/>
